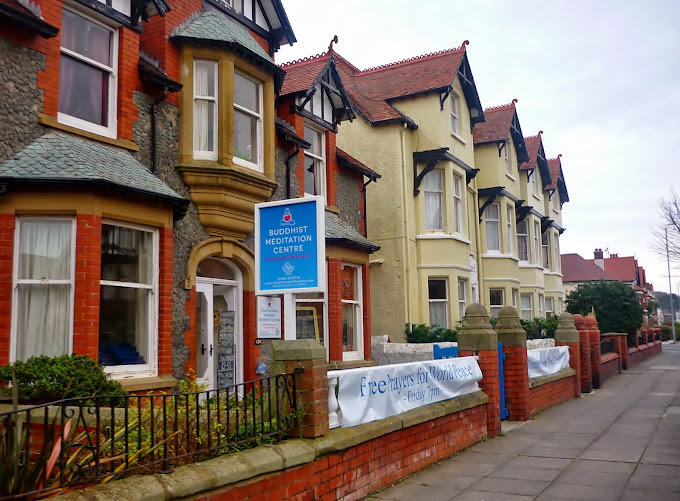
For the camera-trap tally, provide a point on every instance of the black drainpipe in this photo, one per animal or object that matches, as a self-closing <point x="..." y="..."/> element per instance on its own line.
<point x="363" y="192"/>
<point x="288" y="159"/>
<point x="154" y="109"/>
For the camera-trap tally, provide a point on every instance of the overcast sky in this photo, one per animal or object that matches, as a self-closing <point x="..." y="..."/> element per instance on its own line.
<point x="600" y="78"/>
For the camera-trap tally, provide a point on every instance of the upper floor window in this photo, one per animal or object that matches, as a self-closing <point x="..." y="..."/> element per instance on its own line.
<point x="352" y="312"/>
<point x="43" y="287"/>
<point x="438" y="298"/>
<point x="506" y="157"/>
<point x="511" y="237"/>
<point x="87" y="75"/>
<point x="554" y="202"/>
<point x="458" y="205"/>
<point x="493" y="228"/>
<point x="247" y="122"/>
<point x="545" y="248"/>
<point x="534" y="183"/>
<point x="205" y="109"/>
<point x="315" y="162"/>
<point x="523" y="241"/>
<point x="537" y="246"/>
<point x="454" y="105"/>
<point x="433" y="187"/>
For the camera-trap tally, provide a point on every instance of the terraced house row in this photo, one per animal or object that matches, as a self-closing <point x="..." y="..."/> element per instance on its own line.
<point x="137" y="136"/>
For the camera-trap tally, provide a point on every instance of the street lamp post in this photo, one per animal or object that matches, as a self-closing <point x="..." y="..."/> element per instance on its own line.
<point x="670" y="287"/>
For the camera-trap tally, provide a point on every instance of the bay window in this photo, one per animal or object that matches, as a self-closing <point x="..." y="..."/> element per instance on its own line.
<point x="87" y="74"/>
<point x="526" y="311"/>
<point x="549" y="307"/>
<point x="509" y="227"/>
<point x="496" y="301"/>
<point x="523" y="241"/>
<point x="462" y="298"/>
<point x="352" y="313"/>
<point x="537" y="247"/>
<point x="205" y="109"/>
<point x="315" y="162"/>
<point x="128" y="298"/>
<point x="458" y="205"/>
<point x="437" y="289"/>
<point x="493" y="227"/>
<point x="44" y="274"/>
<point x="433" y="188"/>
<point x="545" y="248"/>
<point x="247" y="138"/>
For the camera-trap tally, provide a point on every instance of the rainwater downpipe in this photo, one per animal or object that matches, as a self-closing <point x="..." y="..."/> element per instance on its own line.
<point x="405" y="225"/>
<point x="154" y="109"/>
<point x="363" y="192"/>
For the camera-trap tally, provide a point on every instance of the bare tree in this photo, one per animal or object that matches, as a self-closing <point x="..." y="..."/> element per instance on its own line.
<point x="669" y="209"/>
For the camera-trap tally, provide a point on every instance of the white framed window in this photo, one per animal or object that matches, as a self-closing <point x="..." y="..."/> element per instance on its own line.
<point x="493" y="228"/>
<point x="511" y="237"/>
<point x="540" y="306"/>
<point x="534" y="182"/>
<point x="557" y="259"/>
<point x="438" y="297"/>
<point x="545" y="249"/>
<point x="434" y="200"/>
<point x="311" y="317"/>
<point x="559" y="306"/>
<point x="549" y="307"/>
<point x="537" y="246"/>
<point x="352" y="313"/>
<point x="506" y="157"/>
<point x="205" y="109"/>
<point x="458" y="205"/>
<point x="523" y="241"/>
<point x="515" y="293"/>
<point x="128" y="310"/>
<point x="462" y="298"/>
<point x="496" y="301"/>
<point x="454" y="109"/>
<point x="88" y="75"/>
<point x="43" y="287"/>
<point x="315" y="162"/>
<point x="526" y="307"/>
<point x="553" y="201"/>
<point x="247" y="140"/>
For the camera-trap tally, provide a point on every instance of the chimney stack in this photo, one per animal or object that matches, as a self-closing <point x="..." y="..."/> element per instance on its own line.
<point x="599" y="259"/>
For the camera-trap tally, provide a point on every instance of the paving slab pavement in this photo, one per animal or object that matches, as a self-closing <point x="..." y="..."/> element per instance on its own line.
<point x="621" y="442"/>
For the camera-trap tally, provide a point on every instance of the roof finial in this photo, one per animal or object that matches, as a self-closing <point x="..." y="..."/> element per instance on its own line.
<point x="514" y="101"/>
<point x="559" y="156"/>
<point x="540" y="132"/>
<point x="465" y="42"/>
<point x="330" y="45"/>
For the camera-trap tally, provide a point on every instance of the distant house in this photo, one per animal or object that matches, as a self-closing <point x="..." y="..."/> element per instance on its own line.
<point x="577" y="271"/>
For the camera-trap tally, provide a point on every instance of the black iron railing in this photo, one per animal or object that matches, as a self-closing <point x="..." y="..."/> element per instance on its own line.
<point x="53" y="447"/>
<point x="641" y="340"/>
<point x="606" y="346"/>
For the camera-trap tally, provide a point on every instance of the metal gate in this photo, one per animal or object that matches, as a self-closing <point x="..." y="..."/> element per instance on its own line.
<point x="501" y="378"/>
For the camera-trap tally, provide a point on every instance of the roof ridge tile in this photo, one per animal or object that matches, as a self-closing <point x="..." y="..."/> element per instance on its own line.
<point x="416" y="58"/>
<point x="502" y="106"/>
<point x="307" y="59"/>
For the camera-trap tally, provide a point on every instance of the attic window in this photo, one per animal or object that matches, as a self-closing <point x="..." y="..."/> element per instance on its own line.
<point x="454" y="113"/>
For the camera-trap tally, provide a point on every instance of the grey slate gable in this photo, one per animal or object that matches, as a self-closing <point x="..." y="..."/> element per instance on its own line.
<point x="57" y="157"/>
<point x="340" y="232"/>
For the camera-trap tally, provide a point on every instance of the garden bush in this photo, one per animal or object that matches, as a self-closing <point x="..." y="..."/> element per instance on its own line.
<point x="540" y="328"/>
<point x="47" y="379"/>
<point x="421" y="333"/>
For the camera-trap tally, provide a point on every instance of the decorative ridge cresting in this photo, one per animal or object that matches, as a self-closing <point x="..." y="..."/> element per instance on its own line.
<point x="502" y="106"/>
<point x="306" y="59"/>
<point x="540" y="132"/>
<point x="418" y="58"/>
<point x="556" y="158"/>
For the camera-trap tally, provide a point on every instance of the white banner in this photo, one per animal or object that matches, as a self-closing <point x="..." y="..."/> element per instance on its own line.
<point x="547" y="361"/>
<point x="365" y="395"/>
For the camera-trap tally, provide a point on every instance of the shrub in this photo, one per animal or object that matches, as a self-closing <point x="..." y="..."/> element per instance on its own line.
<point x="47" y="379"/>
<point x="540" y="328"/>
<point x="421" y="333"/>
<point x="667" y="332"/>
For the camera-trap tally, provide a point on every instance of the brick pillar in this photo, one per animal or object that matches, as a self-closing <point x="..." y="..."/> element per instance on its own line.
<point x="566" y="334"/>
<point x="515" y="369"/>
<point x="477" y="337"/>
<point x="586" y="369"/>
<point x="595" y="349"/>
<point x="311" y="384"/>
<point x="6" y="262"/>
<point x="334" y="286"/>
<point x="623" y="351"/>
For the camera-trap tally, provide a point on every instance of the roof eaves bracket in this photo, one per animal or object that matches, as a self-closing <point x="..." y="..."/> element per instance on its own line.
<point x="443" y="97"/>
<point x="418" y="178"/>
<point x="492" y="194"/>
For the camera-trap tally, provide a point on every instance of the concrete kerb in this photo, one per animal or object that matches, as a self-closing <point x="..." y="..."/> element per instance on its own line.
<point x="223" y="471"/>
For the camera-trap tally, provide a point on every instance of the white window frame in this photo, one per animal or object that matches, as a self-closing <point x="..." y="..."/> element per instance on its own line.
<point x="506" y="158"/>
<point x="259" y="165"/>
<point x="523" y="236"/>
<point x="556" y="246"/>
<point x="494" y="309"/>
<point x="549" y="312"/>
<point x="509" y="225"/>
<point x="537" y="244"/>
<point x="545" y="251"/>
<point x="445" y="300"/>
<point x="454" y="110"/>
<point x="207" y="154"/>
<point x="530" y="309"/>
<point x="319" y="177"/>
<point x="540" y="306"/>
<point x="151" y="367"/>
<point x="462" y="298"/>
<point x="358" y="304"/>
<point x="493" y="223"/>
<point x="515" y="293"/>
<point x="16" y="281"/>
<point x="457" y="204"/>
<point x="111" y="129"/>
<point x="534" y="179"/>
<point x="431" y="192"/>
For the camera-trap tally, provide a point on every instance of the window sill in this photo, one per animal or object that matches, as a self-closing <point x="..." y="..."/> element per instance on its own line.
<point x="52" y="122"/>
<point x="442" y="236"/>
<point x="457" y="137"/>
<point x="536" y="196"/>
<point x="554" y="273"/>
<point x="131" y="384"/>
<point x="510" y="176"/>
<point x="500" y="256"/>
<point x="530" y="265"/>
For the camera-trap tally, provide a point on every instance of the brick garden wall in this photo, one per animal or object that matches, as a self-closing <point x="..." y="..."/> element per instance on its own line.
<point x="610" y="366"/>
<point x="550" y="394"/>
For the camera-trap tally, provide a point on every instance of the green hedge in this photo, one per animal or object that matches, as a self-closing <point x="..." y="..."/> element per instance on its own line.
<point x="421" y="333"/>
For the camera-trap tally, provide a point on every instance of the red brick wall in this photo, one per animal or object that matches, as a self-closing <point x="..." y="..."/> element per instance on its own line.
<point x="610" y="366"/>
<point x="549" y="394"/>
<point x="356" y="472"/>
<point x="366" y="278"/>
<point x="516" y="375"/>
<point x="490" y="384"/>
<point x="6" y="258"/>
<point x="334" y="309"/>
<point x="165" y="285"/>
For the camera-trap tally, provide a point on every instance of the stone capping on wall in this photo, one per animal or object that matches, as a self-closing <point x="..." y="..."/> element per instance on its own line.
<point x="541" y="380"/>
<point x="193" y="479"/>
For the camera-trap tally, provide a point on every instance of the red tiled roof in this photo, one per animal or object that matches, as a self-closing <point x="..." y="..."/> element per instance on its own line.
<point x="623" y="268"/>
<point x="301" y="74"/>
<point x="554" y="165"/>
<point x="533" y="146"/>
<point x="577" y="269"/>
<point x="497" y="125"/>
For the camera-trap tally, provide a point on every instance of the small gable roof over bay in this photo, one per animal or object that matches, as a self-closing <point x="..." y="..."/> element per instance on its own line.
<point x="502" y="121"/>
<point x="557" y="178"/>
<point x="537" y="158"/>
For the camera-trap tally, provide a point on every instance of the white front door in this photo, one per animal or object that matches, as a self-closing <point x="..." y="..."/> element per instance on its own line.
<point x="219" y="333"/>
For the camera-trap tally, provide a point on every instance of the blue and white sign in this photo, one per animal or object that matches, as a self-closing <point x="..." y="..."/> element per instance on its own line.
<point x="290" y="246"/>
<point x="547" y="361"/>
<point x="365" y="395"/>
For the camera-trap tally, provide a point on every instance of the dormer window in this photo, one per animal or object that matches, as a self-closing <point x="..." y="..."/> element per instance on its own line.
<point x="315" y="163"/>
<point x="454" y="113"/>
<point x="87" y="75"/>
<point x="506" y="157"/>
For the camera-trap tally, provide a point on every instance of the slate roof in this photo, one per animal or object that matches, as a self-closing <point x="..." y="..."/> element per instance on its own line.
<point x="61" y="158"/>
<point x="150" y="71"/>
<point x="337" y="231"/>
<point x="577" y="269"/>
<point x="209" y="24"/>
<point x="497" y="125"/>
